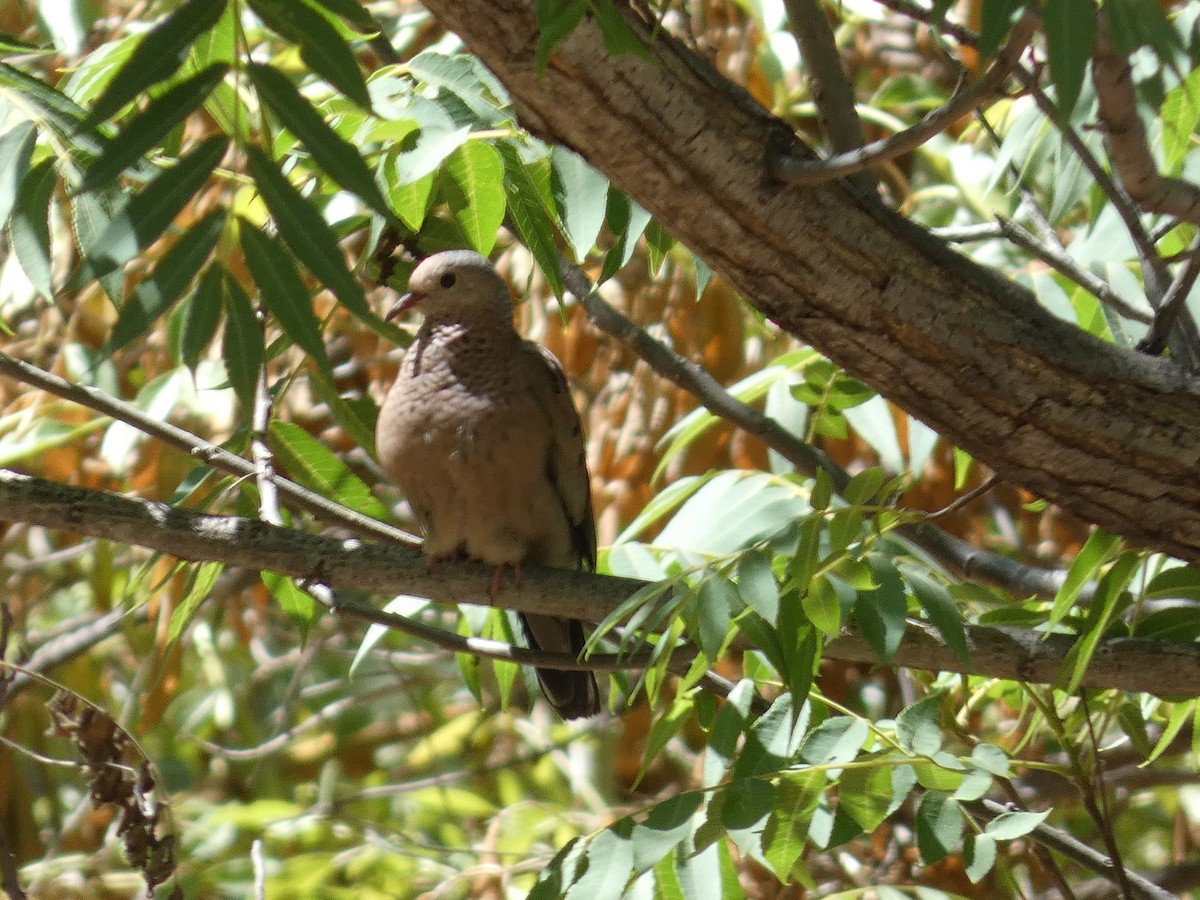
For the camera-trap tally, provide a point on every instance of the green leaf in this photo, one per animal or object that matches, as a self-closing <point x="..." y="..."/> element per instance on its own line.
<point x="668" y="823"/>
<point x="144" y="131"/>
<point x="835" y="741"/>
<point x="609" y="856"/>
<point x="465" y="77"/>
<point x="297" y="604"/>
<point x="939" y="827"/>
<point x="310" y="463"/>
<point x="941" y="609"/>
<point x="336" y="156"/>
<point x="996" y="18"/>
<point x="1107" y="604"/>
<point x="353" y="12"/>
<point x="528" y="210"/>
<point x="979" y="853"/>
<point x="1098" y="550"/>
<point x="157" y="56"/>
<point x="243" y="348"/>
<point x="822" y="604"/>
<point x="148" y="213"/>
<point x="865" y="794"/>
<point x="326" y="53"/>
<point x="283" y="292"/>
<point x="627" y="221"/>
<point x="473" y="184"/>
<point x="581" y="194"/>
<point x="16" y="150"/>
<point x="174" y="272"/>
<point x="201" y="317"/>
<point x="882" y="613"/>
<point x="29" y="229"/>
<point x="713" y="608"/>
<point x="1070" y="27"/>
<point x="1180" y="113"/>
<point x="917" y="727"/>
<point x="786" y="832"/>
<point x="1178" y="582"/>
<point x="757" y="585"/>
<point x="1012" y="825"/>
<point x="309" y="235"/>
<point x="1140" y="23"/>
<point x="62" y="113"/>
<point x="556" y="19"/>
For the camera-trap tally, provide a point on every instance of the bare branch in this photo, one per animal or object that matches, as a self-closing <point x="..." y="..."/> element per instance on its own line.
<point x="805" y="171"/>
<point x="1174" y="302"/>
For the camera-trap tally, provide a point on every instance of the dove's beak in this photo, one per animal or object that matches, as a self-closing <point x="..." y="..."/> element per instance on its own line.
<point x="405" y="303"/>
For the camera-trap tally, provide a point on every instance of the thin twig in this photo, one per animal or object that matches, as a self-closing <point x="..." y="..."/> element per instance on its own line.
<point x="324" y="510"/>
<point x="1063" y="263"/>
<point x="1174" y="302"/>
<point x="974" y="494"/>
<point x="802" y="171"/>
<point x="1078" y="852"/>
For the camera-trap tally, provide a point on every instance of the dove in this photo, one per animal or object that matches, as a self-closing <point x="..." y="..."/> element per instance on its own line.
<point x="480" y="433"/>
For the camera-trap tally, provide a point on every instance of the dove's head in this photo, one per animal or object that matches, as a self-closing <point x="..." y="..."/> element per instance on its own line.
<point x="457" y="286"/>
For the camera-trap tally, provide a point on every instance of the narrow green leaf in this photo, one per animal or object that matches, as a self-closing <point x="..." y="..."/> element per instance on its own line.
<point x="882" y="613"/>
<point x="1098" y="550"/>
<point x="609" y="863"/>
<point x="148" y="213"/>
<point x="157" y="56"/>
<point x="91" y="214"/>
<point x="1070" y="27"/>
<point x="201" y="317"/>
<point x="941" y="609"/>
<point x="556" y="19"/>
<point x="62" y="113"/>
<point x="29" y="228"/>
<point x="996" y="18"/>
<point x="283" y="292"/>
<point x="1106" y="606"/>
<point x="353" y="12"/>
<point x="528" y="211"/>
<point x="466" y="78"/>
<point x="146" y="130"/>
<point x="1140" y="23"/>
<point x="308" y="234"/>
<point x="822" y="605"/>
<point x="243" y="348"/>
<point x="338" y="157"/>
<point x="309" y="462"/>
<point x="581" y="194"/>
<point x="16" y="150"/>
<point x="174" y="272"/>
<point x="326" y="53"/>
<point x="474" y="189"/>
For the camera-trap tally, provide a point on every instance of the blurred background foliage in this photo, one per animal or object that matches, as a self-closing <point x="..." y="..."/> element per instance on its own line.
<point x="195" y="193"/>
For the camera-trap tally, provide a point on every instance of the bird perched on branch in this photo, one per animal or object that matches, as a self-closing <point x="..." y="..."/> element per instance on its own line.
<point x="480" y="433"/>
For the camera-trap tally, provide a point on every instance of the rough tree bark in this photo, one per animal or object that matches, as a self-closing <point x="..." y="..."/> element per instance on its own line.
<point x="1110" y="434"/>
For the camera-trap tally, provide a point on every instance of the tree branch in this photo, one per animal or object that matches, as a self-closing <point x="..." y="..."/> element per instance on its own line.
<point x="807" y="171"/>
<point x="1129" y="664"/>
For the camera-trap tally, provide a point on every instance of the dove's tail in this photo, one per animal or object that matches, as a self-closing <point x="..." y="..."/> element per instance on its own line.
<point x="574" y="695"/>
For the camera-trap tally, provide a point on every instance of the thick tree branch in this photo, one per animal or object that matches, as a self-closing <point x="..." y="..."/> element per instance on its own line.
<point x="1129" y="664"/>
<point x="1105" y="432"/>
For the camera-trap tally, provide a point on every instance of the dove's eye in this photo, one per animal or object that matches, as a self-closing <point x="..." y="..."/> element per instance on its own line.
<point x="448" y="280"/>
